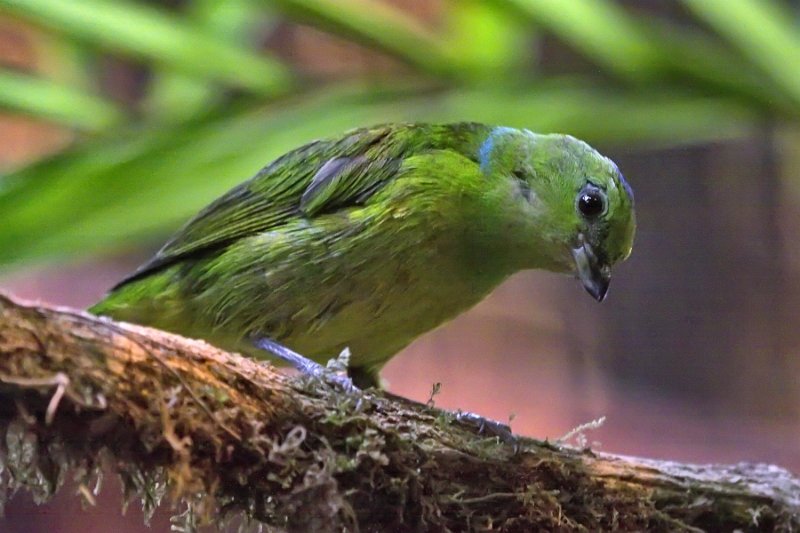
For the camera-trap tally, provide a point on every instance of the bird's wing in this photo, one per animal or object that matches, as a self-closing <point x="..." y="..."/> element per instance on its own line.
<point x="319" y="177"/>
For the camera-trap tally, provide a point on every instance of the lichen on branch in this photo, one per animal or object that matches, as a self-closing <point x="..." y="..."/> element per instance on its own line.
<point x="226" y="437"/>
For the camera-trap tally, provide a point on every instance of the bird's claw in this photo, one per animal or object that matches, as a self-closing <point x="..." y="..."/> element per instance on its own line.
<point x="326" y="375"/>
<point x="489" y="427"/>
<point x="306" y="366"/>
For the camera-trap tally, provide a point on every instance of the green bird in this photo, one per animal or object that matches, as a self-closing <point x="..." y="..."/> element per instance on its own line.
<point x="368" y="240"/>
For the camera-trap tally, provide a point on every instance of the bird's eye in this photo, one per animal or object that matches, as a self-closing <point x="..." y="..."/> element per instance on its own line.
<point x="591" y="202"/>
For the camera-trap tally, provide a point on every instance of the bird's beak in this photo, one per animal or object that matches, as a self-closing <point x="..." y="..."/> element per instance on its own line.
<point x="593" y="273"/>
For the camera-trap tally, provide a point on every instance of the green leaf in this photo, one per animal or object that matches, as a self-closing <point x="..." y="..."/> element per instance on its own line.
<point x="177" y="96"/>
<point x="376" y="24"/>
<point x="150" y="33"/>
<point x="132" y="186"/>
<point x="56" y="102"/>
<point x="116" y="192"/>
<point x="697" y="60"/>
<point x="491" y="40"/>
<point x="661" y="117"/>
<point x="764" y="31"/>
<point x="600" y="29"/>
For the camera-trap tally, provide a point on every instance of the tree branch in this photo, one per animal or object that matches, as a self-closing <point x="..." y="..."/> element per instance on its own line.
<point x="229" y="437"/>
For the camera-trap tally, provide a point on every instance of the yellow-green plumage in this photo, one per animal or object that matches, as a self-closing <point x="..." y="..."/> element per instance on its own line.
<point x="369" y="240"/>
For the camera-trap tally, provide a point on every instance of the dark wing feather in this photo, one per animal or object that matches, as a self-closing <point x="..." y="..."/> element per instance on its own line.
<point x="319" y="177"/>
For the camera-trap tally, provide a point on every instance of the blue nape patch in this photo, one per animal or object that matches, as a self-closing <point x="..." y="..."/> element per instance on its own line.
<point x="624" y="182"/>
<point x="485" y="151"/>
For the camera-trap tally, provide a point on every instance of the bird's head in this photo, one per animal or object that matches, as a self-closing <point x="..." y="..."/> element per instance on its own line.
<point x="573" y="206"/>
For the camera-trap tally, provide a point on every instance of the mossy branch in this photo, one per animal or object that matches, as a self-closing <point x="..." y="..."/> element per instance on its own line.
<point x="225" y="437"/>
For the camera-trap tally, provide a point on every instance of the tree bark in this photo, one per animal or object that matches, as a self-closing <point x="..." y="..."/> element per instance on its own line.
<point x="231" y="438"/>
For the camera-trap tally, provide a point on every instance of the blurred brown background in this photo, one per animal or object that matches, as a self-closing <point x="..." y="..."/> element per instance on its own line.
<point x="693" y="357"/>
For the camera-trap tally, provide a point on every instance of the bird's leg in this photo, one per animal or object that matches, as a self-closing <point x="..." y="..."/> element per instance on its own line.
<point x="483" y="426"/>
<point x="487" y="426"/>
<point x="329" y="374"/>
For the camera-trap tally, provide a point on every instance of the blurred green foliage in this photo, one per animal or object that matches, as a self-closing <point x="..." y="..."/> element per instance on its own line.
<point x="218" y="105"/>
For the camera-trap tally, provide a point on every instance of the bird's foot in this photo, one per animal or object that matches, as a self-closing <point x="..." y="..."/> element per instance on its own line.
<point x="333" y="374"/>
<point x="488" y="427"/>
<point x="483" y="426"/>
